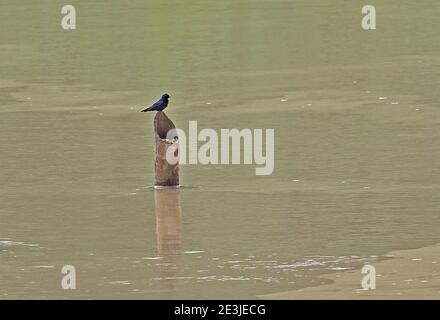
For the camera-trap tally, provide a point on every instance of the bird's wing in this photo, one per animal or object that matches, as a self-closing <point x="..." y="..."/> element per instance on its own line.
<point x="154" y="106"/>
<point x="157" y="104"/>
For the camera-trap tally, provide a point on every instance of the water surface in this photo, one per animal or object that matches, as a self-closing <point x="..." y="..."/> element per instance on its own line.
<point x="356" y="119"/>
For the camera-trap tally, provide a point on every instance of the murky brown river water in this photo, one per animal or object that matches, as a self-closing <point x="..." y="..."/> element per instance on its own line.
<point x="357" y="125"/>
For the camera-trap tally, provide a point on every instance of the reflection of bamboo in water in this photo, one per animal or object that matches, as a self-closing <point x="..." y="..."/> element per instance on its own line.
<point x="168" y="222"/>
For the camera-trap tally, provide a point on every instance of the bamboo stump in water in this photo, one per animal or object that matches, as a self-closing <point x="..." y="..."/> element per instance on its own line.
<point x="167" y="173"/>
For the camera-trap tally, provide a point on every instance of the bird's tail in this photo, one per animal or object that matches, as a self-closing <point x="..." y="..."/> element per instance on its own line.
<point x="148" y="109"/>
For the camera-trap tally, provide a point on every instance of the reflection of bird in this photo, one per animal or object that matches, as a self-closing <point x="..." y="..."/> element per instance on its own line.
<point x="159" y="105"/>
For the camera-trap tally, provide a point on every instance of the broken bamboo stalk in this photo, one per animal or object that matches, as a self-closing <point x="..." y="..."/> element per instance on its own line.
<point x="166" y="173"/>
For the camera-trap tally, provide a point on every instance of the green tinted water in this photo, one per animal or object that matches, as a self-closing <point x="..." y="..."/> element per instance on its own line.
<point x="356" y="144"/>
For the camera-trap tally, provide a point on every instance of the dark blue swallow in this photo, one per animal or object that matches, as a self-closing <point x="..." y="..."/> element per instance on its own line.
<point x="159" y="105"/>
